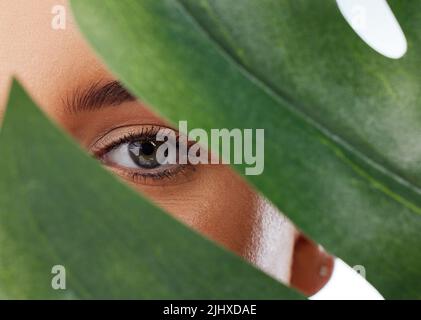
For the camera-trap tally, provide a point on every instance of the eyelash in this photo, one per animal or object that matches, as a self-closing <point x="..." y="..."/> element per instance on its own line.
<point x="145" y="133"/>
<point x="136" y="176"/>
<point x="165" y="174"/>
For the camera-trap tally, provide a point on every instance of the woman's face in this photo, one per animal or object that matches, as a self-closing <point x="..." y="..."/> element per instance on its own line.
<point x="70" y="84"/>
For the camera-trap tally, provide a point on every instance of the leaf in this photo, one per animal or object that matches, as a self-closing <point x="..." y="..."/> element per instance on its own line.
<point x="341" y="122"/>
<point x="59" y="207"/>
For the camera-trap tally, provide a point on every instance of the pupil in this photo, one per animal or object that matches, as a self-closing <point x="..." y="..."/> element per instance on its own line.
<point x="147" y="148"/>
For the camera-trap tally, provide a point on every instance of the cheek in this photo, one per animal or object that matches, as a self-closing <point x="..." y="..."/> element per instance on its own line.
<point x="221" y="206"/>
<point x="216" y="203"/>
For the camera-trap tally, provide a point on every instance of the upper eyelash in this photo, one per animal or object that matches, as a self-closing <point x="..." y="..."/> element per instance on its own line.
<point x="148" y="133"/>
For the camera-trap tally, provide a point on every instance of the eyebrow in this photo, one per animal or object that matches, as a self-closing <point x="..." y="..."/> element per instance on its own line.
<point x="96" y="96"/>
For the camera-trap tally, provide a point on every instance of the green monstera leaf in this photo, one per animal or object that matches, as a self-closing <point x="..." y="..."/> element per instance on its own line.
<point x="59" y="207"/>
<point x="341" y="122"/>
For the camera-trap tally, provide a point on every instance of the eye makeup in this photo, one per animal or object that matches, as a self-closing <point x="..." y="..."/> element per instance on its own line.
<point x="129" y="152"/>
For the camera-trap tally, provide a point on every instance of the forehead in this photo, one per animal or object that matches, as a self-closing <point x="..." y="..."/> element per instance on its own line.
<point x="48" y="61"/>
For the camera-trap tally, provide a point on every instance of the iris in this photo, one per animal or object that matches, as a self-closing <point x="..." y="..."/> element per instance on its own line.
<point x="143" y="153"/>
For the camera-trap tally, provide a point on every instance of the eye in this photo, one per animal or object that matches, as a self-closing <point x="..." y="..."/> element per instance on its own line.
<point x="135" y="154"/>
<point x="131" y="152"/>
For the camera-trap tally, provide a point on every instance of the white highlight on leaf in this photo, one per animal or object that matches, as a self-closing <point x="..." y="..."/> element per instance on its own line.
<point x="375" y="23"/>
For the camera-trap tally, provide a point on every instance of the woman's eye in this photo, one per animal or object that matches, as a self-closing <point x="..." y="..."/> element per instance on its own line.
<point x="131" y="152"/>
<point x="134" y="155"/>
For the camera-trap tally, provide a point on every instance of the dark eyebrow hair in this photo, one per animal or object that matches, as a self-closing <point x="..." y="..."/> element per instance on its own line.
<point x="97" y="96"/>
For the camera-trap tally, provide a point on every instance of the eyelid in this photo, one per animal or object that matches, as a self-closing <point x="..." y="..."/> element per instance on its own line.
<point x="122" y="134"/>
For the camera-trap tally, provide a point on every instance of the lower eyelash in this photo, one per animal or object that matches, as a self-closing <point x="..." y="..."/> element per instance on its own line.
<point x="172" y="173"/>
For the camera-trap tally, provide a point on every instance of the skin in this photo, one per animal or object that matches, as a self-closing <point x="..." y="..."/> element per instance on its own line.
<point x="53" y="65"/>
